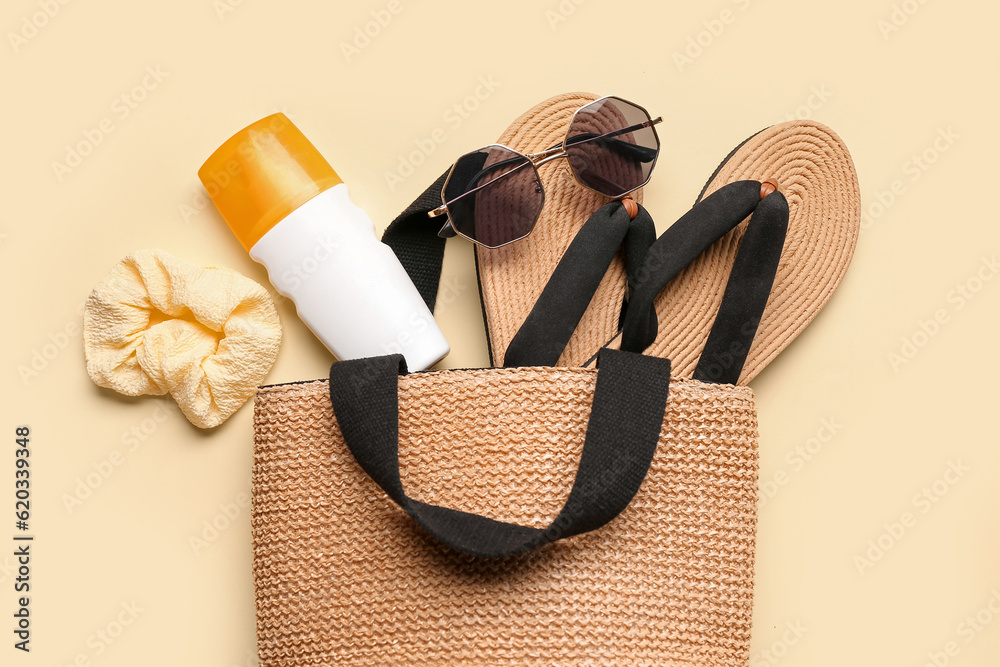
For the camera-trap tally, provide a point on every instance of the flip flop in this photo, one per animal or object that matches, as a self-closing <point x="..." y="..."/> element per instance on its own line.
<point x="512" y="277"/>
<point x="814" y="171"/>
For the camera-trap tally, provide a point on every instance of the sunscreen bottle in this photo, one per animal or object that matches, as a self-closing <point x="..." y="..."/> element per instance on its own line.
<point x="293" y="214"/>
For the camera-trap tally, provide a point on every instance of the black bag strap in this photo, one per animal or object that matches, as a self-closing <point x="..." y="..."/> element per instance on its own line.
<point x="413" y="237"/>
<point x="750" y="279"/>
<point x="626" y="417"/>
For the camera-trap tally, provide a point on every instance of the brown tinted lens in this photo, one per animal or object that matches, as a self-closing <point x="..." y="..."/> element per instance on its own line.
<point x="494" y="196"/>
<point x="608" y="150"/>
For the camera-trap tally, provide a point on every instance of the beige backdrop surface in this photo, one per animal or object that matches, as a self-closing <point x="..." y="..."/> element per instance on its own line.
<point x="870" y="551"/>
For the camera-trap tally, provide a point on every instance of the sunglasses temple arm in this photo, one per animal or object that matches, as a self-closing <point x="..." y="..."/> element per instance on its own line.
<point x="641" y="152"/>
<point x="626" y="149"/>
<point x="607" y="135"/>
<point x="483" y="172"/>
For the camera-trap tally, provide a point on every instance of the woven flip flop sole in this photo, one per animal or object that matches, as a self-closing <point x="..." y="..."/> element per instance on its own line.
<point x="512" y="277"/>
<point x="817" y="176"/>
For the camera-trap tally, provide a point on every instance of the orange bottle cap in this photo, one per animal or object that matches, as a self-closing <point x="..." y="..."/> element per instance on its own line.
<point x="262" y="173"/>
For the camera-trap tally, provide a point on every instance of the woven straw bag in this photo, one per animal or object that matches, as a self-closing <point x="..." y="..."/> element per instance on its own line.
<point x="521" y="516"/>
<point x="343" y="577"/>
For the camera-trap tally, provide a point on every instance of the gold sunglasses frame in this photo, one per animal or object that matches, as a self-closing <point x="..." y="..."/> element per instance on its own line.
<point x="537" y="159"/>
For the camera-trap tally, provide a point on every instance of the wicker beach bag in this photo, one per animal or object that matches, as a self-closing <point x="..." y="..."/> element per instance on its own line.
<point x="532" y="515"/>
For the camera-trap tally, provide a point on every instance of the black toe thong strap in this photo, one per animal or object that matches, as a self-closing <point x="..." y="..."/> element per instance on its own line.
<point x="413" y="237"/>
<point x="651" y="264"/>
<point x="561" y="305"/>
<point x="750" y="279"/>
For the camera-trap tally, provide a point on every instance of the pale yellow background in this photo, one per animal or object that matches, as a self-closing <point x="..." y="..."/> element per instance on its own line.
<point x="897" y="430"/>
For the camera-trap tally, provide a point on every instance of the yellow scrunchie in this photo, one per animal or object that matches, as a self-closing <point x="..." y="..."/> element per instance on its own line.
<point x="206" y="335"/>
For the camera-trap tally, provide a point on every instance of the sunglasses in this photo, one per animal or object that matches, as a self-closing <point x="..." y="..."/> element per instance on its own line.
<point x="493" y="196"/>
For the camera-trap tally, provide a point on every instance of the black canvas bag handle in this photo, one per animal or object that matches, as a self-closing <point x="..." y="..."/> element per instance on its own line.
<point x="626" y="417"/>
<point x="413" y="237"/>
<point x="631" y="391"/>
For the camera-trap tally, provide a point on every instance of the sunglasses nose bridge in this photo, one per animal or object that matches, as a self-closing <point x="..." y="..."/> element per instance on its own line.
<point x="542" y="154"/>
<point x="548" y="158"/>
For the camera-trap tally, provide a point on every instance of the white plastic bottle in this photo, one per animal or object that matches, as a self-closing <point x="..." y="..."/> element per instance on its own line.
<point x="294" y="215"/>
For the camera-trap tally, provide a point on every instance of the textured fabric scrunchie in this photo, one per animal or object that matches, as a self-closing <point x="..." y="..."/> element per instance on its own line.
<point x="205" y="335"/>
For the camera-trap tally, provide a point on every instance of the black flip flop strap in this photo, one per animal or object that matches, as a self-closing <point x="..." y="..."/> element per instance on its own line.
<point x="628" y="409"/>
<point x="571" y="287"/>
<point x="413" y="237"/>
<point x="750" y="279"/>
